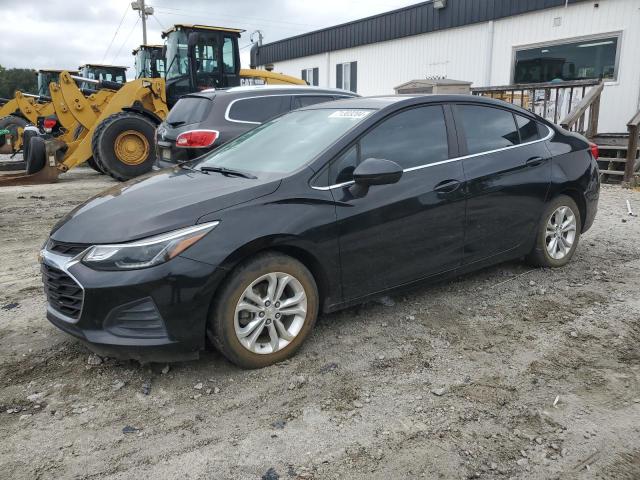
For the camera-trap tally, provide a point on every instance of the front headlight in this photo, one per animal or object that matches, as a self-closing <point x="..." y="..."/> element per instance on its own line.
<point x="146" y="252"/>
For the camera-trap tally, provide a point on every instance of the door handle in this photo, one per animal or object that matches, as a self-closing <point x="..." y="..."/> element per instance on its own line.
<point x="447" y="186"/>
<point x="534" y="161"/>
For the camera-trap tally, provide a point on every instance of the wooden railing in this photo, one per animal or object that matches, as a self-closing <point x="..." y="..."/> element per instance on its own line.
<point x="633" y="128"/>
<point x="590" y="104"/>
<point x="558" y="102"/>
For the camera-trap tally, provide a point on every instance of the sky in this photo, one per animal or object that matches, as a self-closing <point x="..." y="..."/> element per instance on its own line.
<point x="67" y="33"/>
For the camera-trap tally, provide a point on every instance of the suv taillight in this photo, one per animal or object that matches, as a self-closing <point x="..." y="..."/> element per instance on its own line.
<point x="594" y="150"/>
<point x="197" y="138"/>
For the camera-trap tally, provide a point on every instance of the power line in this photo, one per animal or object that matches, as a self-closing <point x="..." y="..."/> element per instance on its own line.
<point x="158" y="22"/>
<point x="126" y="39"/>
<point x="265" y="21"/>
<point x="114" y="35"/>
<point x="201" y="17"/>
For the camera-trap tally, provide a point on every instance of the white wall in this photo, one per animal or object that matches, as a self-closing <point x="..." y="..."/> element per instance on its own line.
<point x="483" y="54"/>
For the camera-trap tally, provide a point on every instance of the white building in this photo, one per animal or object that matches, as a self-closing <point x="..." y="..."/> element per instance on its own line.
<point x="486" y="42"/>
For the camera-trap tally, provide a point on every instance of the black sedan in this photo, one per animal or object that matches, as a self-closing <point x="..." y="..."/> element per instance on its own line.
<point x="321" y="208"/>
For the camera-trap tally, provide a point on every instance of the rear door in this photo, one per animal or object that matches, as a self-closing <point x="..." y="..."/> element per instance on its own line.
<point x="399" y="233"/>
<point x="507" y="171"/>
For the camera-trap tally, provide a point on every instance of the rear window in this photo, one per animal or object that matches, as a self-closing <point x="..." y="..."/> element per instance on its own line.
<point x="528" y="129"/>
<point x="189" y="110"/>
<point x="300" y="101"/>
<point x="259" y="109"/>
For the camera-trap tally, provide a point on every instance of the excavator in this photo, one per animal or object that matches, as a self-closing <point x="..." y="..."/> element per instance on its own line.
<point x="117" y="124"/>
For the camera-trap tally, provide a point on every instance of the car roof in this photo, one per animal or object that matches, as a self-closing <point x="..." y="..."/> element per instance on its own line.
<point x="384" y="101"/>
<point x="255" y="90"/>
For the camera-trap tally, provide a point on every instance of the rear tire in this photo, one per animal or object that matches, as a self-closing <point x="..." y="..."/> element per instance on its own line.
<point x="123" y="145"/>
<point x="14" y="124"/>
<point x="558" y="234"/>
<point x="287" y="311"/>
<point x="37" y="158"/>
<point x="27" y="135"/>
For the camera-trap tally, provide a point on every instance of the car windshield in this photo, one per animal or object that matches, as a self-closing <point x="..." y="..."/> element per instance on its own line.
<point x="286" y="143"/>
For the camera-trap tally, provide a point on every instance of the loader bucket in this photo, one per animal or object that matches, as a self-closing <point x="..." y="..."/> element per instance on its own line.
<point x="48" y="174"/>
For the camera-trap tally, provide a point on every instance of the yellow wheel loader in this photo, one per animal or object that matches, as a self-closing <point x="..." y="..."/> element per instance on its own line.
<point x="117" y="124"/>
<point x="39" y="109"/>
<point x="24" y="109"/>
<point x="149" y="61"/>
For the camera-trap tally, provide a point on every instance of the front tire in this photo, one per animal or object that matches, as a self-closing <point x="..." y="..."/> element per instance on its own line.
<point x="122" y="145"/>
<point x="558" y="234"/>
<point x="264" y="311"/>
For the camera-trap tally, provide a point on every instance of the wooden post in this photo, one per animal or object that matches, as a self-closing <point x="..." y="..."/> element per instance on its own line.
<point x="594" y="113"/>
<point x="632" y="151"/>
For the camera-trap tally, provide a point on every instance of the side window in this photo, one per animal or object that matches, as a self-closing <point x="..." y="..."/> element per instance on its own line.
<point x="259" y="109"/>
<point x="487" y="128"/>
<point x="228" y="60"/>
<point x="528" y="129"/>
<point x="300" y="101"/>
<point x="411" y="138"/>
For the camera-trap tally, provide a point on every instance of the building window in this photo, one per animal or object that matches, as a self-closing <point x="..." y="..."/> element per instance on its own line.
<point x="347" y="76"/>
<point x="310" y="75"/>
<point x="590" y="58"/>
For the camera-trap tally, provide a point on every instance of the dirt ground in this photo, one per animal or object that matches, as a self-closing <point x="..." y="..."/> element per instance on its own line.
<point x="511" y="372"/>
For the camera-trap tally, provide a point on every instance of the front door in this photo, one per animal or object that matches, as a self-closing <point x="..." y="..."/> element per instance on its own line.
<point x="508" y="172"/>
<point x="399" y="233"/>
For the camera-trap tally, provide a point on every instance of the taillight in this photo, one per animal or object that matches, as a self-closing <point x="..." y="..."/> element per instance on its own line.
<point x="49" y="123"/>
<point x="197" y="138"/>
<point x="594" y="150"/>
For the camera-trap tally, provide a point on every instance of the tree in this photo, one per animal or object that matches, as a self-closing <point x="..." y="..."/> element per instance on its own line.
<point x="12" y="79"/>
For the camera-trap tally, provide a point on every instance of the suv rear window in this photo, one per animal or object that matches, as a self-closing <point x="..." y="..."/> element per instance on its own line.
<point x="189" y="110"/>
<point x="259" y="109"/>
<point x="300" y="101"/>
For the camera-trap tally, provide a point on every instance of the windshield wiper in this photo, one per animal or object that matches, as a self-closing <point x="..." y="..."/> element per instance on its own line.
<point x="227" y="171"/>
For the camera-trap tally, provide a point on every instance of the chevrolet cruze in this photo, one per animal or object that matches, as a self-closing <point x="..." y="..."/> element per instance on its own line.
<point x="318" y="209"/>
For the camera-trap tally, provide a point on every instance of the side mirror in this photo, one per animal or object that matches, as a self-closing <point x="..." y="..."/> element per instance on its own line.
<point x="374" y="171"/>
<point x="164" y="53"/>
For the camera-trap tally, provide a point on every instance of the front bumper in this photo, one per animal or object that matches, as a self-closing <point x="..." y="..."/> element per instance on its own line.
<point x="152" y="314"/>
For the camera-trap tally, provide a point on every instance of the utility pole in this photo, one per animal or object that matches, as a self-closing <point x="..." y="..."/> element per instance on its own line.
<point x="144" y="12"/>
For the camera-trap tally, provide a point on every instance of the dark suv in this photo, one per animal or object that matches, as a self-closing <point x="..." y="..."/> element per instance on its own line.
<point x="200" y="122"/>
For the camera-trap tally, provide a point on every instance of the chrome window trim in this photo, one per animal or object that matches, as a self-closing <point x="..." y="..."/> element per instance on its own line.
<point x="316" y="94"/>
<point x="63" y="263"/>
<point x="420" y="167"/>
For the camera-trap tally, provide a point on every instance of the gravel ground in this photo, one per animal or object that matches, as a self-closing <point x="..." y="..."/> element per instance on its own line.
<point x="510" y="372"/>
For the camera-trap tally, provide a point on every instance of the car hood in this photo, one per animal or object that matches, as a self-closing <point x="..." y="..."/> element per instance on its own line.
<point x="160" y="202"/>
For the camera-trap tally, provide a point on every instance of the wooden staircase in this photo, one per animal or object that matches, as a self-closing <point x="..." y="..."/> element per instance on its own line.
<point x="613" y="155"/>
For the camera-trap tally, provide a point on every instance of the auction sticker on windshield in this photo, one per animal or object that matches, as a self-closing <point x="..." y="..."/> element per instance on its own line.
<point x="350" y="114"/>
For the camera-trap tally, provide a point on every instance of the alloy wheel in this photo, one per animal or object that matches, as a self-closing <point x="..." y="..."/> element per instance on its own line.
<point x="560" y="232"/>
<point x="270" y="313"/>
